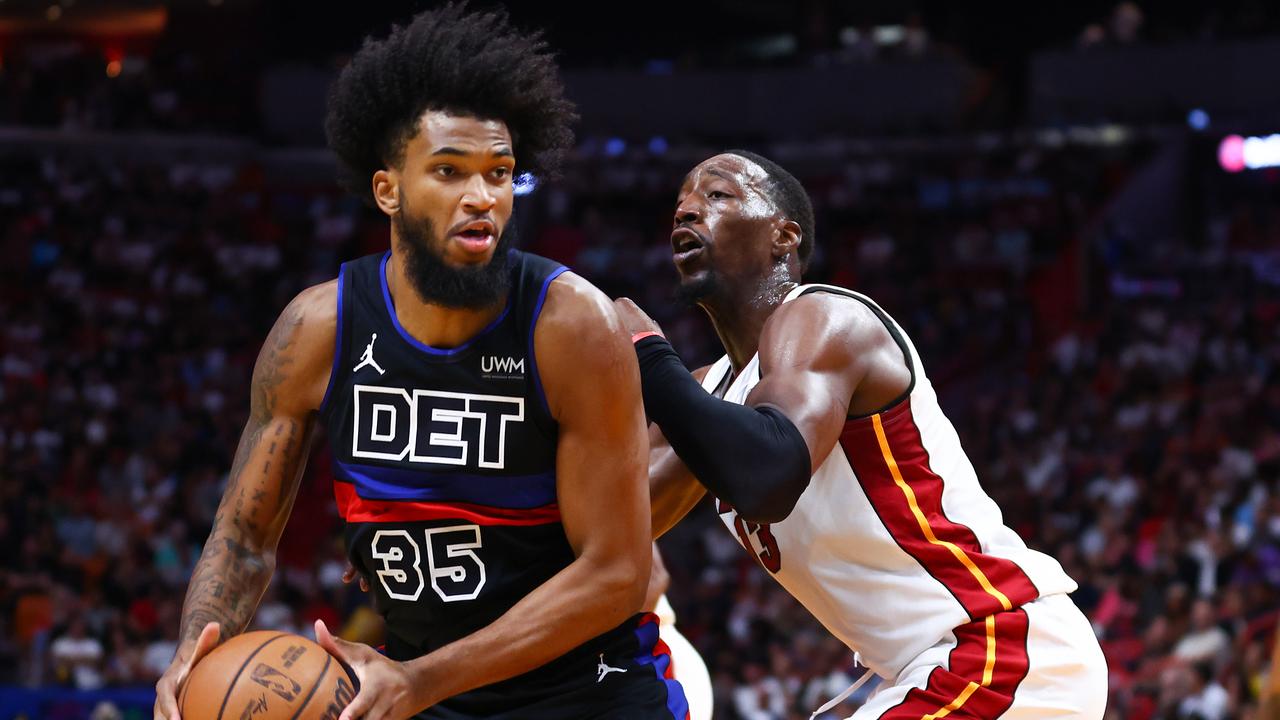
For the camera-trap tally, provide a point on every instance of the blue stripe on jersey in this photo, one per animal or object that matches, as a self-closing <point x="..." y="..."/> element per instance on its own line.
<point x="517" y="492"/>
<point x="533" y="324"/>
<point x="337" y="342"/>
<point x="658" y="656"/>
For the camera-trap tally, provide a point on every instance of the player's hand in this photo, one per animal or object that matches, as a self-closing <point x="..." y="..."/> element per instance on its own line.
<point x="351" y="574"/>
<point x="634" y="320"/>
<point x="171" y="682"/>
<point x="387" y="690"/>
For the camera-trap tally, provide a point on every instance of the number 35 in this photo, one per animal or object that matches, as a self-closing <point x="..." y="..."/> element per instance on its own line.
<point x="456" y="572"/>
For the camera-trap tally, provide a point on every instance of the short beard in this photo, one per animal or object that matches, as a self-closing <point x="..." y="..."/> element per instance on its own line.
<point x="436" y="282"/>
<point x="693" y="293"/>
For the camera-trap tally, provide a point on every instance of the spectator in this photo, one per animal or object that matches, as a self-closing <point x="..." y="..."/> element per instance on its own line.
<point x="77" y="657"/>
<point x="1206" y="642"/>
<point x="1206" y="699"/>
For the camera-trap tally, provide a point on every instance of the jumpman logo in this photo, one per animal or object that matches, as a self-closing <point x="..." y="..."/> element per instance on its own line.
<point x="367" y="358"/>
<point x="602" y="670"/>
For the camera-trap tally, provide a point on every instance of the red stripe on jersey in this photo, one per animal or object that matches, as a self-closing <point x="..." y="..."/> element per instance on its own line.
<point x="892" y="465"/>
<point x="983" y="671"/>
<point x="354" y="509"/>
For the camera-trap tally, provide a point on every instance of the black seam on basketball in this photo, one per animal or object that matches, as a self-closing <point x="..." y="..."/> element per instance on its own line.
<point x="323" y="672"/>
<point x="351" y="674"/>
<point x="236" y="678"/>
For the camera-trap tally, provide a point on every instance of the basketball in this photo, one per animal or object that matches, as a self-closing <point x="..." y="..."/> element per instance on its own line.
<point x="267" y="675"/>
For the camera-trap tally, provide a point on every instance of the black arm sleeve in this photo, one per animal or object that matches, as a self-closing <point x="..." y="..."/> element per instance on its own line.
<point x="751" y="457"/>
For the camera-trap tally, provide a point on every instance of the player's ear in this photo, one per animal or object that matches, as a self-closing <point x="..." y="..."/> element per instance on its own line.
<point x="786" y="238"/>
<point x="386" y="191"/>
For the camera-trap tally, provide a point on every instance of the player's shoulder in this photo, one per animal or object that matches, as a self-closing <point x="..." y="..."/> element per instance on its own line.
<point x="580" y="348"/>
<point x="826" y="318"/>
<point x="315" y="308"/>
<point x="574" y="304"/>
<point x="302" y="340"/>
<point x="308" y="325"/>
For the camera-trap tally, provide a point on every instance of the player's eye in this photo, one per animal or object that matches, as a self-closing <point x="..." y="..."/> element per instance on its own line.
<point x="502" y="172"/>
<point x="444" y="170"/>
<point x="717" y="195"/>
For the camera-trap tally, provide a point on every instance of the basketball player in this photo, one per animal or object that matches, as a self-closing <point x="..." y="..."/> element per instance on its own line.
<point x="822" y="441"/>
<point x="474" y="452"/>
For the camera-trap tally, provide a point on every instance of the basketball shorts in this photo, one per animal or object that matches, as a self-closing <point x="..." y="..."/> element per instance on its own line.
<point x="690" y="670"/>
<point x="1040" y="660"/>
<point x="635" y="683"/>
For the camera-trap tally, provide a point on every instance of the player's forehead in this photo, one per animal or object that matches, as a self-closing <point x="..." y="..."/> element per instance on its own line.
<point x="444" y="133"/>
<point x="735" y="169"/>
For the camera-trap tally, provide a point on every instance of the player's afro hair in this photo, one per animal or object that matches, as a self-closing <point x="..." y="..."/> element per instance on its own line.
<point x="790" y="195"/>
<point x="454" y="60"/>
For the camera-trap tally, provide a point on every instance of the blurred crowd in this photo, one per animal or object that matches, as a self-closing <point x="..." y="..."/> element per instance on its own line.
<point x="1129" y="427"/>
<point x="77" y="87"/>
<point x="180" y="80"/>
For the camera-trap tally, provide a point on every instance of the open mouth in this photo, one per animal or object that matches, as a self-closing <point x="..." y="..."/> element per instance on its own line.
<point x="686" y="244"/>
<point x="476" y="237"/>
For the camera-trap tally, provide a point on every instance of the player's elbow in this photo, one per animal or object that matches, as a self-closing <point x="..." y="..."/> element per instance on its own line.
<point x="622" y="584"/>
<point x="769" y="507"/>
<point x="633" y="587"/>
<point x="762" y="514"/>
<point x="771" y="492"/>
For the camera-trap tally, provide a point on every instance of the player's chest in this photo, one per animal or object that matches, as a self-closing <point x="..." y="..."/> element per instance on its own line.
<point x="482" y="411"/>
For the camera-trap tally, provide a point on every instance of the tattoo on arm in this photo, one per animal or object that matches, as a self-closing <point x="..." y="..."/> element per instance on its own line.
<point x="235" y="566"/>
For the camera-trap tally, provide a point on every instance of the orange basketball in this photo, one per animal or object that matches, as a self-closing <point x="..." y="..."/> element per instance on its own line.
<point x="267" y="675"/>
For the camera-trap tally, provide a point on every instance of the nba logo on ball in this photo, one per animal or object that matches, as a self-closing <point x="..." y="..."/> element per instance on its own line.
<point x="267" y="676"/>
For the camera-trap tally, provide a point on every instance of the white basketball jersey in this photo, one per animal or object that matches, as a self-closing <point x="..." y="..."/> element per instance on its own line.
<point x="894" y="543"/>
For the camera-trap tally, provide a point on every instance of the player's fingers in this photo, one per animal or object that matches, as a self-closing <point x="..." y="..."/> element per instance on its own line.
<point x="364" y="584"/>
<point x="349" y="574"/>
<point x="336" y="646"/>
<point x="625" y="308"/>
<point x="360" y="707"/>
<point x="207" y="641"/>
<point x="166" y="707"/>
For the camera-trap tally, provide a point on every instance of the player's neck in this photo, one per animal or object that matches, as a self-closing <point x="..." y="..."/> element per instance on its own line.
<point x="739" y="323"/>
<point x="433" y="324"/>
<point x="739" y="313"/>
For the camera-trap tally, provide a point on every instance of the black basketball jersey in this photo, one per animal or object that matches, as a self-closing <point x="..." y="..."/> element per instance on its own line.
<point x="445" y="473"/>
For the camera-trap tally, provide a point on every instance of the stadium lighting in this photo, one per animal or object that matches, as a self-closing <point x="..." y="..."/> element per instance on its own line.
<point x="615" y="147"/>
<point x="1236" y="153"/>
<point x="524" y="184"/>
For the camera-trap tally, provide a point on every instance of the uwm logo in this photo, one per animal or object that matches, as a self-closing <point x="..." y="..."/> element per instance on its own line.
<point x="504" y="365"/>
<point x="429" y="426"/>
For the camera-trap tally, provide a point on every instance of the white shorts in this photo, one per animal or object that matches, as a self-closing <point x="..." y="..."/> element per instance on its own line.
<point x="1039" y="661"/>
<point x="686" y="663"/>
